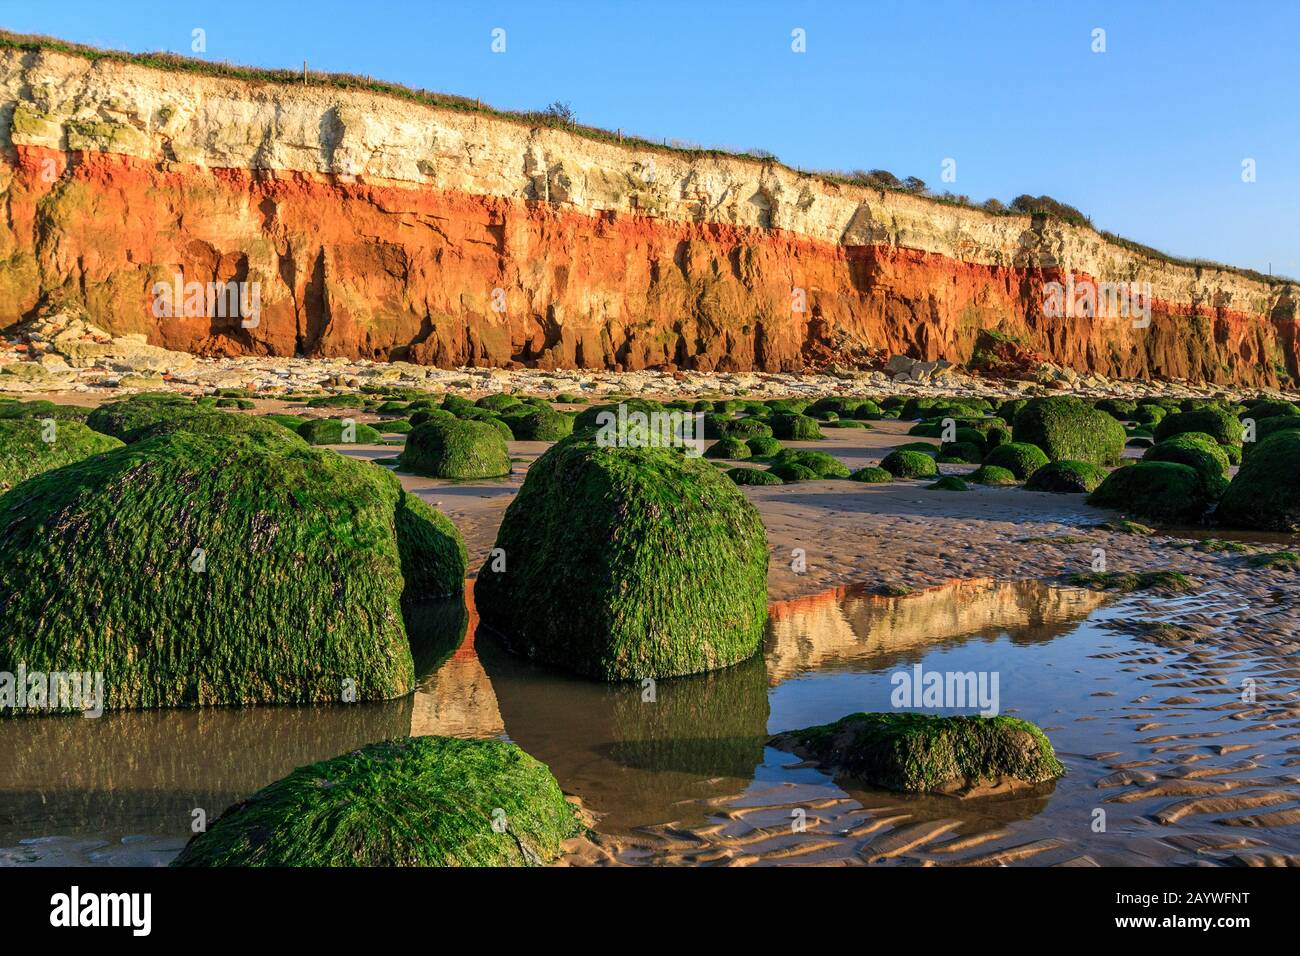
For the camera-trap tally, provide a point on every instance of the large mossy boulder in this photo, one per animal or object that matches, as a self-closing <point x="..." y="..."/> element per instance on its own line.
<point x="902" y="463"/>
<point x="237" y="569"/>
<point x="41" y="408"/>
<point x="1069" y="429"/>
<point x="459" y="449"/>
<point x="1163" y="490"/>
<point x="788" y="426"/>
<point x="1217" y="422"/>
<point x="539" y="424"/>
<point x="1199" y="451"/>
<point x="1266" y="490"/>
<point x="31" y="446"/>
<point x="627" y="563"/>
<point x="213" y="423"/>
<point x="1066" y="477"/>
<point x="421" y="801"/>
<point x="922" y="753"/>
<point x="129" y="418"/>
<point x="336" y="431"/>
<point x="1019" y="458"/>
<point x="819" y="462"/>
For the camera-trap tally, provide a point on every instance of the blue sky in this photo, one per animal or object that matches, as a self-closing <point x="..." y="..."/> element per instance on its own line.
<point x="1147" y="138"/>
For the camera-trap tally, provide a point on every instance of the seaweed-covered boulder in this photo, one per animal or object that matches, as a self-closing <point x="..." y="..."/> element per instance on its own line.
<point x="1217" y="422"/>
<point x="791" y="427"/>
<point x="961" y="451"/>
<point x="456" y="449"/>
<point x="40" y="408"/>
<point x="422" y="415"/>
<point x="745" y="429"/>
<point x="871" y="475"/>
<point x="1201" y="452"/>
<point x="421" y="801"/>
<point x="336" y="431"/>
<point x="1265" y="427"/>
<point x="499" y="402"/>
<point x="1069" y="429"/>
<point x="347" y="400"/>
<point x="626" y="563"/>
<point x="753" y="476"/>
<point x="825" y="466"/>
<point x="607" y="415"/>
<point x="1164" y="490"/>
<point x="1149" y="415"/>
<point x="1266" y="490"/>
<point x="728" y="448"/>
<point x="1066" y="477"/>
<point x="540" y="424"/>
<point x="31" y="446"/>
<point x="212" y="422"/>
<point x="791" y="471"/>
<point x="948" y="483"/>
<point x="763" y="446"/>
<point x="1019" y="458"/>
<point x="992" y="475"/>
<point x="909" y="464"/>
<point x="1121" y="409"/>
<point x="128" y="418"/>
<point x="922" y="753"/>
<point x="1270" y="408"/>
<point x="220" y="569"/>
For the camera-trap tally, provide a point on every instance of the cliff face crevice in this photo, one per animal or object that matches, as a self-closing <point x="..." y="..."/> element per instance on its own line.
<point x="375" y="227"/>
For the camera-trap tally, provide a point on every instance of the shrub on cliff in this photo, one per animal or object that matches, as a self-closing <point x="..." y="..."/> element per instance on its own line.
<point x="1219" y="423"/>
<point x="790" y="427"/>
<point x="921" y="753"/>
<point x="1067" y="429"/>
<point x="334" y="431"/>
<point x="626" y="563"/>
<point x="235" y="569"/>
<point x="1020" y="458"/>
<point x="422" y="801"/>
<point x="1066" y="477"/>
<point x="30" y="447"/>
<point x="1163" y="490"/>
<point x="1266" y="490"/>
<point x="1197" y="450"/>
<point x="909" y="464"/>
<point x="455" y="449"/>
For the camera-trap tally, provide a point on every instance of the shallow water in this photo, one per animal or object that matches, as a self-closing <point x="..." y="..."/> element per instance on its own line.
<point x="687" y="777"/>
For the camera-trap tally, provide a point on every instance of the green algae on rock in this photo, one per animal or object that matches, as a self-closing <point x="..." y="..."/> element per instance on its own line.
<point x="199" y="569"/>
<point x="788" y="426"/>
<point x="1217" y="422"/>
<point x="1067" y="428"/>
<point x="992" y="475"/>
<point x="127" y="419"/>
<point x="922" y="753"/>
<point x="627" y="563"/>
<point x="32" y="446"/>
<point x="753" y="476"/>
<point x="459" y="449"/>
<point x="1066" y="477"/>
<point x="337" y="431"/>
<point x="541" y="424"/>
<point x="909" y="464"/>
<point x="1019" y="458"/>
<point x="1199" y="451"/>
<point x="732" y="449"/>
<point x="1265" y="493"/>
<point x="948" y="483"/>
<point x="871" y="475"/>
<point x="1163" y="490"/>
<point x="421" y="801"/>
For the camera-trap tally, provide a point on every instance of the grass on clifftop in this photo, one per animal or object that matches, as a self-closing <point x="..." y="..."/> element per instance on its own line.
<point x="176" y="63"/>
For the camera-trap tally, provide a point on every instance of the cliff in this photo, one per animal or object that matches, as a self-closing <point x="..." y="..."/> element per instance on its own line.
<point x="379" y="227"/>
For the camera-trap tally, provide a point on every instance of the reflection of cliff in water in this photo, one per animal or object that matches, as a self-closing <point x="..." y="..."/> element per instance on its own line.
<point x="850" y="627"/>
<point x="147" y="771"/>
<point x="632" y="760"/>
